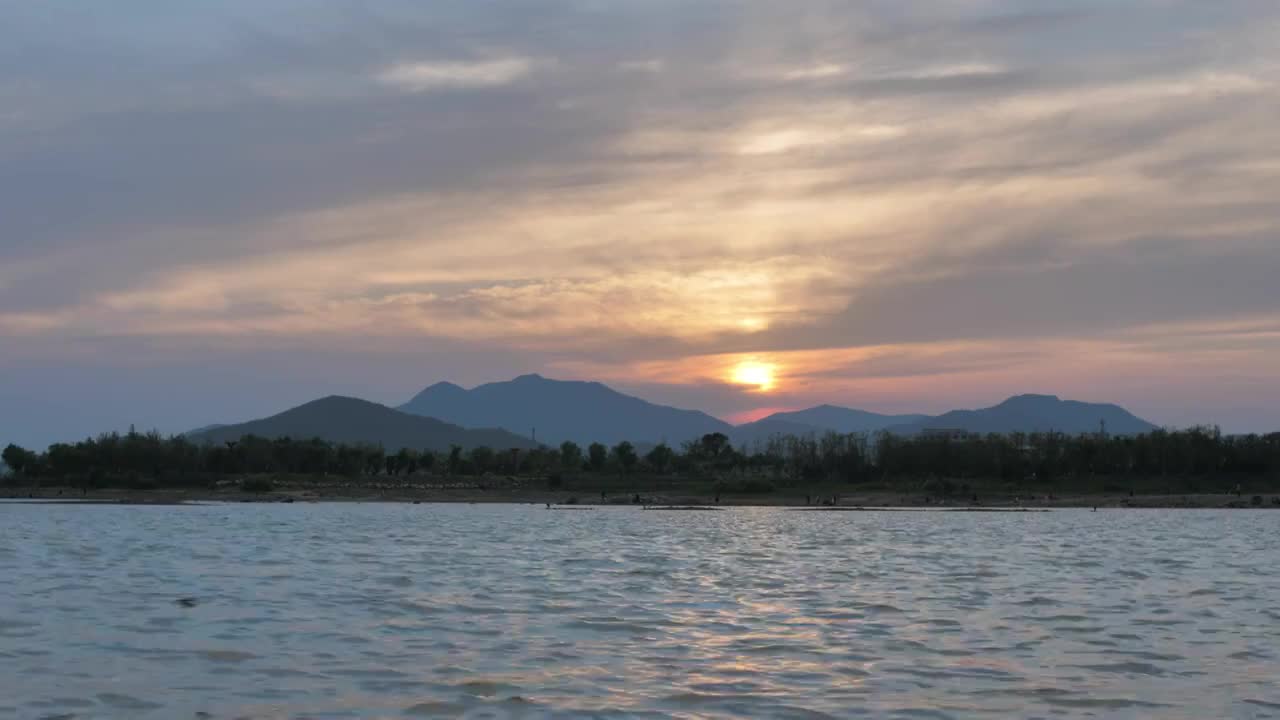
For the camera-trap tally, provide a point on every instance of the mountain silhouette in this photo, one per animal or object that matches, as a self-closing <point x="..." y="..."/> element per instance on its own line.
<point x="560" y="410"/>
<point x="749" y="435"/>
<point x="845" y="420"/>
<point x="587" y="412"/>
<point x="818" y="420"/>
<point x="350" y="420"/>
<point x="1021" y="413"/>
<point x="1035" y="413"/>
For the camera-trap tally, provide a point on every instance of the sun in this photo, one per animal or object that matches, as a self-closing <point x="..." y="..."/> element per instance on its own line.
<point x="761" y="375"/>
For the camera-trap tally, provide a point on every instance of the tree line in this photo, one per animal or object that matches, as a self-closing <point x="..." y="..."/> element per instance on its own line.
<point x="1204" y="458"/>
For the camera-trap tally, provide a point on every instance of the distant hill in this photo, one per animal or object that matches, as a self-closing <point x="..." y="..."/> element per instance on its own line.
<point x="845" y="420"/>
<point x="587" y="412"/>
<point x="817" y="421"/>
<point x="1022" y="413"/>
<point x="349" y="420"/>
<point x="1035" y="413"/>
<point x="748" y="434"/>
<point x="583" y="412"/>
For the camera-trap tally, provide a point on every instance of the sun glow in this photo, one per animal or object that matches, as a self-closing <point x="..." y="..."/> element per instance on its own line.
<point x="761" y="375"/>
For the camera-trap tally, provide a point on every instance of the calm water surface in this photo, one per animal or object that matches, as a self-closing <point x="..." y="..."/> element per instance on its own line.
<point x="370" y="611"/>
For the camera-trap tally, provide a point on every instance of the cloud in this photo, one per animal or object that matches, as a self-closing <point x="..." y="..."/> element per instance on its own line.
<point x="417" y="77"/>
<point x="620" y="187"/>
<point x="954" y="71"/>
<point x="1045" y="293"/>
<point x="655" y="65"/>
<point x="816" y="72"/>
<point x="793" y="138"/>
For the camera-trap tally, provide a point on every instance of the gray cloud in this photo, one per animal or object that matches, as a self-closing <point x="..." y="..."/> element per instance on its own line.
<point x="882" y="172"/>
<point x="1033" y="291"/>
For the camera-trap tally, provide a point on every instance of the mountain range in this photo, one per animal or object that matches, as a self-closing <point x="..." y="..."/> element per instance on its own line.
<point x="350" y="420"/>
<point x="532" y="410"/>
<point x="559" y="410"/>
<point x="1034" y="413"/>
<point x="816" y="421"/>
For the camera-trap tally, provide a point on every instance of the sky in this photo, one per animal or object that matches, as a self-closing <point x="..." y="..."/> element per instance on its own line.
<point x="211" y="212"/>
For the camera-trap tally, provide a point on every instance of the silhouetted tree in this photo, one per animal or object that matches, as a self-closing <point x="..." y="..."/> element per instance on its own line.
<point x="570" y="456"/>
<point x="1194" y="460"/>
<point x="406" y="462"/>
<point x="625" y="453"/>
<point x="426" y="461"/>
<point x="660" y="457"/>
<point x="18" y="459"/>
<point x="482" y="460"/>
<point x="597" y="456"/>
<point x="714" y="445"/>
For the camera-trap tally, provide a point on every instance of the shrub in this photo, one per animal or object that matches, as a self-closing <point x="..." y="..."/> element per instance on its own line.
<point x="257" y="485"/>
<point x="135" y="481"/>
<point x="746" y="487"/>
<point x="936" y="486"/>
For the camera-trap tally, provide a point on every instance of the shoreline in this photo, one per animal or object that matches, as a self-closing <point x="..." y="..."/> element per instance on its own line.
<point x="669" y="501"/>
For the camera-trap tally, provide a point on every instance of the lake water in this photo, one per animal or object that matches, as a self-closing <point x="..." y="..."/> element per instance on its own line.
<point x="370" y="611"/>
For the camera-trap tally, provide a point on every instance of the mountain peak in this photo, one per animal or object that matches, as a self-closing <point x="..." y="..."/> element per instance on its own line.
<point x="1037" y="413"/>
<point x="336" y="400"/>
<point x="439" y="390"/>
<point x="822" y="418"/>
<point x="340" y="419"/>
<point x="559" y="410"/>
<point x="1032" y="398"/>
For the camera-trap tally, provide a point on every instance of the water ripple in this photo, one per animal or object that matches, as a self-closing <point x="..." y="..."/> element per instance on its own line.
<point x="379" y="611"/>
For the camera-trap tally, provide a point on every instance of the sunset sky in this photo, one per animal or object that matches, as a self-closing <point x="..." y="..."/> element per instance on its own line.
<point x="214" y="211"/>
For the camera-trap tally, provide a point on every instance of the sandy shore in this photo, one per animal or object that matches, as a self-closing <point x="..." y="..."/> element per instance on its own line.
<point x="669" y="500"/>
